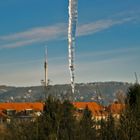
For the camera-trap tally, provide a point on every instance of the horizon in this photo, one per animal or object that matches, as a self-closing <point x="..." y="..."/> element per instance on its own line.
<point x="125" y="82"/>
<point x="107" y="41"/>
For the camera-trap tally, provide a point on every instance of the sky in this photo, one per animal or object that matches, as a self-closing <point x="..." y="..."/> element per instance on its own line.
<point x="107" y="41"/>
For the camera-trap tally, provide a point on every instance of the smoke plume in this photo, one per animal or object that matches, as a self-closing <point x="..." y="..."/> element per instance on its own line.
<point x="71" y="38"/>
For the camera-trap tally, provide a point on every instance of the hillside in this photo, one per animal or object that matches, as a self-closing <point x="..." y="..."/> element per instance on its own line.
<point x="103" y="92"/>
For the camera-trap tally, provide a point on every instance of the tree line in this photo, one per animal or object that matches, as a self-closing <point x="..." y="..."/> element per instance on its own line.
<point x="59" y="122"/>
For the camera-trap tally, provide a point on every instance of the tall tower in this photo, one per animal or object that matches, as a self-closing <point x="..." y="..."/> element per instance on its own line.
<point x="46" y="69"/>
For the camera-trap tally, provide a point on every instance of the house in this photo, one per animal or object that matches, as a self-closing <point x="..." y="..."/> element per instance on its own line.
<point x="30" y="110"/>
<point x="97" y="110"/>
<point x="116" y="109"/>
<point x="20" y="111"/>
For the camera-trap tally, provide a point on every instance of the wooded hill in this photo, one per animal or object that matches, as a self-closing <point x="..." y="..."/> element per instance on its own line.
<point x="104" y="92"/>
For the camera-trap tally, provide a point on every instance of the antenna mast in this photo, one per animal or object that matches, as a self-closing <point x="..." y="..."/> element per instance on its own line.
<point x="46" y="72"/>
<point x="46" y="69"/>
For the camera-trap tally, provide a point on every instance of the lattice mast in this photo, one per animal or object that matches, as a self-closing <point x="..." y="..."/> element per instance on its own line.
<point x="46" y="69"/>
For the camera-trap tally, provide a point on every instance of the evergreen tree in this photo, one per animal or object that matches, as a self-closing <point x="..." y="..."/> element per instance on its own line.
<point x="68" y="127"/>
<point x="102" y="130"/>
<point x="87" y="126"/>
<point x="133" y="99"/>
<point x="130" y="119"/>
<point x="107" y="129"/>
<point x="51" y="118"/>
<point x="110" y="127"/>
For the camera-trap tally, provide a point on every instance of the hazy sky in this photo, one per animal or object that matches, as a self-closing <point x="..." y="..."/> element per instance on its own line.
<point x="107" y="43"/>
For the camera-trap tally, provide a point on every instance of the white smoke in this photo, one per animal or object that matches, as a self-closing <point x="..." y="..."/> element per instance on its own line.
<point x="71" y="38"/>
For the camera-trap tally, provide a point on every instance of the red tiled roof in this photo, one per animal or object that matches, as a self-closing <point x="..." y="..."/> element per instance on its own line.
<point x="95" y="108"/>
<point x="116" y="108"/>
<point x="22" y="106"/>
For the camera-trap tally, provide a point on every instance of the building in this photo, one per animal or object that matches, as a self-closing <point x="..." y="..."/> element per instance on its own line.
<point x="98" y="111"/>
<point x="31" y="110"/>
<point x="20" y="111"/>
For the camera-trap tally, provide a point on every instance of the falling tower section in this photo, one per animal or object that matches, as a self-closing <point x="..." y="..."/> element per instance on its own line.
<point x="71" y="39"/>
